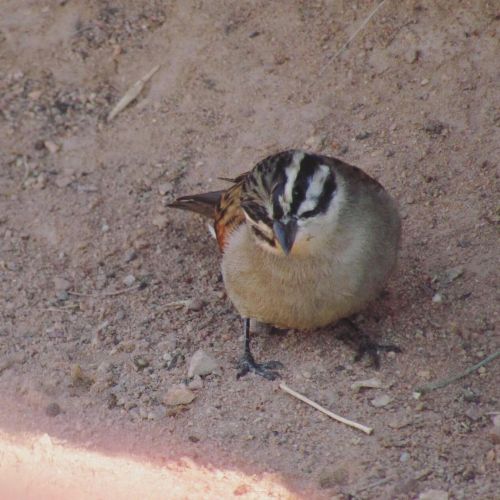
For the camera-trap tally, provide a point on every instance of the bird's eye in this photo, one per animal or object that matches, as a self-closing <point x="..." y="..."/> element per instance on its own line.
<point x="297" y="192"/>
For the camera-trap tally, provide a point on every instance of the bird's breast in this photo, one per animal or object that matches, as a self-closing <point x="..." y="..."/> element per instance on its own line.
<point x="289" y="292"/>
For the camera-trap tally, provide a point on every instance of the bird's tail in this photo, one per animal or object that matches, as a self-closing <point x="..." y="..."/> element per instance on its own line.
<point x="203" y="203"/>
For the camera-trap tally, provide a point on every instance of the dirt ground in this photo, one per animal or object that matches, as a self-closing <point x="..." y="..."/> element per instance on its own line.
<point x="414" y="100"/>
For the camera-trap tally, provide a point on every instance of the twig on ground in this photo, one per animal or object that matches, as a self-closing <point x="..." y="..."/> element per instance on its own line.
<point x="176" y="304"/>
<point x="353" y="36"/>
<point x="439" y="384"/>
<point x="132" y="93"/>
<point x="370" y="486"/>
<point x="140" y="286"/>
<point x="69" y="308"/>
<point x="351" y="423"/>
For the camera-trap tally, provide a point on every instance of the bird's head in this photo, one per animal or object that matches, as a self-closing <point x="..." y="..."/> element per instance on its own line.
<point x="287" y="199"/>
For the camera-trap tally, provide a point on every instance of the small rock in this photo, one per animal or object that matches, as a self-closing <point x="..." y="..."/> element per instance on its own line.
<point x="437" y="298"/>
<point x="362" y="136"/>
<point x="491" y="455"/>
<point x="412" y="55"/>
<point x="140" y="362"/>
<point x="425" y="374"/>
<point x="160" y="221"/>
<point x="129" y="280"/>
<point x="79" y="378"/>
<point x="51" y="147"/>
<point x="313" y="142"/>
<point x="64" y="180"/>
<point x="424" y="82"/>
<point x="434" y="127"/>
<point x="474" y="413"/>
<point x="381" y="401"/>
<point x="471" y="396"/>
<point x="53" y="409"/>
<point x="62" y="295"/>
<point x="34" y="95"/>
<point x="372" y="383"/>
<point x="165" y="188"/>
<point x="433" y="495"/>
<point x="202" y="364"/>
<point x="179" y="395"/>
<point x="61" y="284"/>
<point x="195" y="304"/>
<point x="196" y="383"/>
<point x="130" y="255"/>
<point x="404" y="457"/>
<point x="172" y="359"/>
<point x="453" y="274"/>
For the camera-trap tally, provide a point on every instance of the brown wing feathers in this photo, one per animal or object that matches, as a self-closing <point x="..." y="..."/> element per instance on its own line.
<point x="223" y="206"/>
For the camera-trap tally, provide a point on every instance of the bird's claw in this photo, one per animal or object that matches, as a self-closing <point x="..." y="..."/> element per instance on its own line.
<point x="372" y="349"/>
<point x="247" y="364"/>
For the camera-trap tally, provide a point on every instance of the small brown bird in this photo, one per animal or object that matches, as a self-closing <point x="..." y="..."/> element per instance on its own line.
<point x="306" y="241"/>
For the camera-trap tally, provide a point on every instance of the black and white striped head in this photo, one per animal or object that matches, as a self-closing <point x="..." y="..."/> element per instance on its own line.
<point x="286" y="199"/>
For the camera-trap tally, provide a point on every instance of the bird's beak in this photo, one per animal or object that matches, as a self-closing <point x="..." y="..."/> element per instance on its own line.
<point x="285" y="233"/>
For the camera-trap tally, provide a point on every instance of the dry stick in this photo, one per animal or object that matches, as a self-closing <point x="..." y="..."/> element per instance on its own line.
<point x="367" y="430"/>
<point x="354" y="35"/>
<point x="108" y="294"/>
<point x="447" y="381"/>
<point x="132" y="93"/>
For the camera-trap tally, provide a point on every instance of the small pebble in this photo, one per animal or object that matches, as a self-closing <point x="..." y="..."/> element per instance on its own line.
<point x="165" y="188"/>
<point x="437" y="298"/>
<point x="179" y="395"/>
<point x="453" y="274"/>
<point x="404" y="457"/>
<point x="411" y="55"/>
<point x="195" y="304"/>
<point x="62" y="295"/>
<point x="140" y="362"/>
<point x="51" y="147"/>
<point x="363" y="135"/>
<point x="202" y="364"/>
<point x="381" y="401"/>
<point x="474" y="413"/>
<point x="425" y="374"/>
<point x="129" y="280"/>
<point x="160" y="221"/>
<point x="196" y="383"/>
<point x="61" y="284"/>
<point x="130" y="255"/>
<point x="372" y="383"/>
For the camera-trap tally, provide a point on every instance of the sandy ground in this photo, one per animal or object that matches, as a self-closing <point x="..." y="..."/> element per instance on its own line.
<point x="414" y="100"/>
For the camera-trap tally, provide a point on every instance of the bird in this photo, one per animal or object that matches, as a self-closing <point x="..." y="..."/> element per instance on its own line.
<point x="307" y="240"/>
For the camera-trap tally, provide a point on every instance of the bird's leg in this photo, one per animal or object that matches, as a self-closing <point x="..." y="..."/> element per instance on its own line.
<point x="362" y="342"/>
<point x="247" y="362"/>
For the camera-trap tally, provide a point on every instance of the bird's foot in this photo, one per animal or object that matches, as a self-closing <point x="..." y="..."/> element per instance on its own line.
<point x="372" y="349"/>
<point x="248" y="364"/>
<point x="364" y="345"/>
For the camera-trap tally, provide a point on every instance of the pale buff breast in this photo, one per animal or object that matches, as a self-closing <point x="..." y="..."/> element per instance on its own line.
<point x="294" y="293"/>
